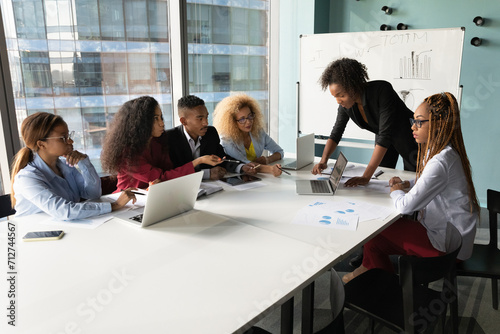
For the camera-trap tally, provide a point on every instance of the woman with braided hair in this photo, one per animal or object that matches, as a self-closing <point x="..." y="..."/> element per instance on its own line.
<point x="373" y="106"/>
<point x="442" y="193"/>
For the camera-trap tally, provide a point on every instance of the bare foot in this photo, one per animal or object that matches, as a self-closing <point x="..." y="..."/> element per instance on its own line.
<point x="358" y="271"/>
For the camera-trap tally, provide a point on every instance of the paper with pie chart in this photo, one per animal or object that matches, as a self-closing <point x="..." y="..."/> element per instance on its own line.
<point x="343" y="215"/>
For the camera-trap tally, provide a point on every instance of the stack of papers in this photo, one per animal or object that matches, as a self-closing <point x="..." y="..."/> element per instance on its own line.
<point x="343" y="215"/>
<point x="208" y="188"/>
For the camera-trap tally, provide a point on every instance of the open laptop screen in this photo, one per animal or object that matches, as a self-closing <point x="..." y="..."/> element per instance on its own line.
<point x="338" y="170"/>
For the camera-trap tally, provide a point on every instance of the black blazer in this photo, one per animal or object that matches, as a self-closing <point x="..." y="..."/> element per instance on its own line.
<point x="180" y="151"/>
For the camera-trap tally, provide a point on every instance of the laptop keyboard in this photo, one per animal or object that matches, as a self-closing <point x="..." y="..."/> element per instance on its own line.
<point x="137" y="218"/>
<point x="319" y="186"/>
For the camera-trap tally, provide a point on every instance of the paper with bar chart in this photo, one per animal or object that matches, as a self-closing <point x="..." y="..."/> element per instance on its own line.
<point x="343" y="215"/>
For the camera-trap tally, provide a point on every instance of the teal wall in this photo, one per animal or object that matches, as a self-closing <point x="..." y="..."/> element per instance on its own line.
<point x="480" y="73"/>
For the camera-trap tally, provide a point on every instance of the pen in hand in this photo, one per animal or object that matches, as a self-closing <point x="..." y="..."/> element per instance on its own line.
<point x="257" y="166"/>
<point x="284" y="171"/>
<point x="137" y="193"/>
<point x="230" y="160"/>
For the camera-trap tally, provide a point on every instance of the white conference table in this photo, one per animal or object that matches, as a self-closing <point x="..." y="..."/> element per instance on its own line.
<point x="274" y="206"/>
<point x="217" y="269"/>
<point x="196" y="273"/>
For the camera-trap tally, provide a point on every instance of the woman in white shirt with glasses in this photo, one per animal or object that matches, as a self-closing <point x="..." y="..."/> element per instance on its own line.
<point x="442" y="193"/>
<point x="44" y="177"/>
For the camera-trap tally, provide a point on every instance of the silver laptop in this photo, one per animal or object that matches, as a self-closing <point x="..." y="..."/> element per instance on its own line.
<point x="323" y="187"/>
<point x="305" y="153"/>
<point x="165" y="200"/>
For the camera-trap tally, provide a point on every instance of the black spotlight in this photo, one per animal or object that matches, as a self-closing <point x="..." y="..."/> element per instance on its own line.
<point x="402" y="26"/>
<point x="478" y="20"/>
<point x="476" y="41"/>
<point x="385" y="27"/>
<point x="387" y="10"/>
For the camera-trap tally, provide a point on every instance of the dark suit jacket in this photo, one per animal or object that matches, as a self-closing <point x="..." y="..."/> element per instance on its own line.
<point x="180" y="151"/>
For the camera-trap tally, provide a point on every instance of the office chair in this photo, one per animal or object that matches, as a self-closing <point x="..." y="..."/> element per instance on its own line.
<point x="337" y="298"/>
<point x="405" y="303"/>
<point x="485" y="259"/>
<point x="6" y="206"/>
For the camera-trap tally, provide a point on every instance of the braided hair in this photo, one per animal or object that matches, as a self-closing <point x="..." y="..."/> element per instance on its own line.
<point x="445" y="129"/>
<point x="346" y="72"/>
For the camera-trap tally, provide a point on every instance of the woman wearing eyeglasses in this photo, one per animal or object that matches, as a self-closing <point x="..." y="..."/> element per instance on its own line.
<point x="374" y="106"/>
<point x="240" y="122"/>
<point x="133" y="147"/>
<point x="442" y="193"/>
<point x="44" y="177"/>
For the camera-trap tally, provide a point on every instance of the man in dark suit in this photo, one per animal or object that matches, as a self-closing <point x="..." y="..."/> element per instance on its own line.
<point x="195" y="138"/>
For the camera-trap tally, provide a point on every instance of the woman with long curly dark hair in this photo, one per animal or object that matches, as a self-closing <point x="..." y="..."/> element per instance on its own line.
<point x="133" y="149"/>
<point x="374" y="106"/>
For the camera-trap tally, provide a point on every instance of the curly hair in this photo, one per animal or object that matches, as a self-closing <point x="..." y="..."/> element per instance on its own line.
<point x="188" y="102"/>
<point x="445" y="129"/>
<point x="346" y="72"/>
<point x="225" y="121"/>
<point x="129" y="133"/>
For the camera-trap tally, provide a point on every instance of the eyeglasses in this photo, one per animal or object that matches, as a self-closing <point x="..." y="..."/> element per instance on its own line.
<point x="248" y="118"/>
<point x="63" y="138"/>
<point x="418" y="122"/>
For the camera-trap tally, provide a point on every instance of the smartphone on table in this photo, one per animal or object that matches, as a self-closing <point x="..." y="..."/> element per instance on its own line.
<point x="43" y="235"/>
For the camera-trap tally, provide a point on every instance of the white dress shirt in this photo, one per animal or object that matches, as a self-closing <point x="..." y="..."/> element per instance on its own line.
<point x="38" y="189"/>
<point x="441" y="196"/>
<point x="195" y="150"/>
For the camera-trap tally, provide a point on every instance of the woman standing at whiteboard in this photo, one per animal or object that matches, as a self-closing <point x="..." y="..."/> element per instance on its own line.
<point x="374" y="106"/>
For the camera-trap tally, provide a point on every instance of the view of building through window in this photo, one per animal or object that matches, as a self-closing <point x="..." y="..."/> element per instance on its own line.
<point x="228" y="51"/>
<point x="82" y="59"/>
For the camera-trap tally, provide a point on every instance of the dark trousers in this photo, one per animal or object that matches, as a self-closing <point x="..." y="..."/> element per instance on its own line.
<point x="391" y="158"/>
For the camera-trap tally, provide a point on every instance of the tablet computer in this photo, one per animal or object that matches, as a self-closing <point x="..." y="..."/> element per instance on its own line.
<point x="240" y="179"/>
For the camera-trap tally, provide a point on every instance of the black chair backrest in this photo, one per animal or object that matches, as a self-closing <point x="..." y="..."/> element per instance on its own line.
<point x="6" y="206"/>
<point x="493" y="199"/>
<point x="424" y="270"/>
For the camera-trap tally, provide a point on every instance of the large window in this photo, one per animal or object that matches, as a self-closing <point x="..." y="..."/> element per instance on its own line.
<point x="82" y="59"/>
<point x="228" y="50"/>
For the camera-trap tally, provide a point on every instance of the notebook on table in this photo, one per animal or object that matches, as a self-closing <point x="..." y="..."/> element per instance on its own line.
<point x="323" y="187"/>
<point x="305" y="153"/>
<point x="165" y="200"/>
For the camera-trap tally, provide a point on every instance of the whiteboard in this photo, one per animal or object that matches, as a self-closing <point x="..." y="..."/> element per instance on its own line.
<point x="417" y="63"/>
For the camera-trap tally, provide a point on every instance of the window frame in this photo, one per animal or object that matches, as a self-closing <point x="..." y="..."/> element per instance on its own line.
<point x="177" y="20"/>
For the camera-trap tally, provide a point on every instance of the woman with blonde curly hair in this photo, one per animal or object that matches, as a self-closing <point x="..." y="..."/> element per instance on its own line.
<point x="240" y="122"/>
